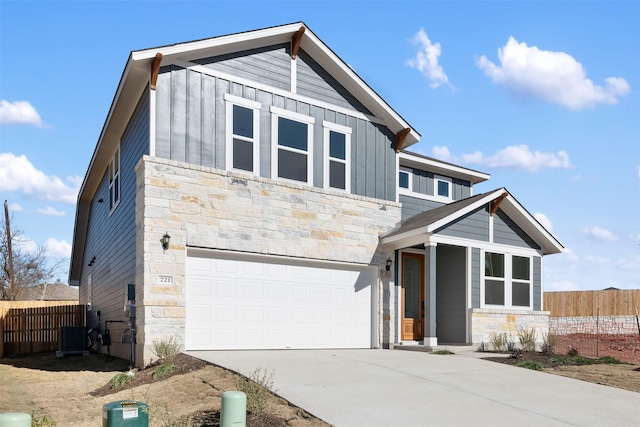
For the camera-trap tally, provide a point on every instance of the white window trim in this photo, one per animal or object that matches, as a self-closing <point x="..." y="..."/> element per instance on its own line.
<point x="310" y="121"/>
<point x="232" y="100"/>
<point x="406" y="191"/>
<point x="117" y="181"/>
<point x="449" y="181"/>
<point x="328" y="127"/>
<point x="508" y="281"/>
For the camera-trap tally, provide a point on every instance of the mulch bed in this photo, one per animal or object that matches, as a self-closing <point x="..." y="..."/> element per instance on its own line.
<point x="547" y="361"/>
<point x="184" y="364"/>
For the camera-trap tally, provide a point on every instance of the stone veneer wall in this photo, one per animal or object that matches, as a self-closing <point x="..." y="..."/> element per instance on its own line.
<point x="485" y="321"/>
<point x="210" y="208"/>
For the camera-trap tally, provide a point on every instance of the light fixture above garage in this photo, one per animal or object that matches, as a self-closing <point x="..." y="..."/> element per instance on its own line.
<point x="165" y="241"/>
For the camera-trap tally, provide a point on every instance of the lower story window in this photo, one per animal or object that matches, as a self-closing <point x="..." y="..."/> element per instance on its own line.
<point x="507" y="280"/>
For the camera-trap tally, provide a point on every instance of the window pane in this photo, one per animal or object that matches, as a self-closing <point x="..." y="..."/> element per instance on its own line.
<point x="443" y="188"/>
<point x="521" y="268"/>
<point x="493" y="265"/>
<point x="117" y="160"/>
<point x="337" y="173"/>
<point x="292" y="165"/>
<point x="494" y="292"/>
<point x="242" y="155"/>
<point x="403" y="180"/>
<point x="337" y="145"/>
<point x="520" y="294"/>
<point x="292" y="134"/>
<point x="242" y="121"/>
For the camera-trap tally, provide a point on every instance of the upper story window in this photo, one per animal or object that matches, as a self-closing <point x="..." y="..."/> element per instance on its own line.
<point x="442" y="187"/>
<point x="337" y="156"/>
<point x="404" y="179"/>
<point x="507" y="280"/>
<point x="292" y="145"/>
<point x="114" y="180"/>
<point x="242" y="135"/>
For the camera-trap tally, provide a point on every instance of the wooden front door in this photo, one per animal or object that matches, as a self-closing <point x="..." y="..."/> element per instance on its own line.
<point x="412" y="322"/>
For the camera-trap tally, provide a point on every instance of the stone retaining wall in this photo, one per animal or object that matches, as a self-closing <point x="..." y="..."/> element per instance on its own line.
<point x="485" y="321"/>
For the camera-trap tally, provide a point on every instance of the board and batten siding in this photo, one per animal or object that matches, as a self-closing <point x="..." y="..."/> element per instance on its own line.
<point x="474" y="226"/>
<point x="111" y="238"/>
<point x="190" y="127"/>
<point x="507" y="232"/>
<point x="537" y="283"/>
<point x="423" y="182"/>
<point x="475" y="277"/>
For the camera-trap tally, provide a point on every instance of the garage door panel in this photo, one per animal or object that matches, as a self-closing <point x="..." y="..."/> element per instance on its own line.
<point x="267" y="305"/>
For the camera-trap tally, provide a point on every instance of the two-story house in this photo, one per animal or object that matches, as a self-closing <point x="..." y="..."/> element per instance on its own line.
<point x="258" y="195"/>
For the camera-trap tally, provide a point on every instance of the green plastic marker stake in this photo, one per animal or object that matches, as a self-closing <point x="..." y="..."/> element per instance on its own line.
<point x="234" y="409"/>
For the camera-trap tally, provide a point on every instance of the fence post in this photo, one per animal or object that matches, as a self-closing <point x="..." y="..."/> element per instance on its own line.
<point x="598" y="333"/>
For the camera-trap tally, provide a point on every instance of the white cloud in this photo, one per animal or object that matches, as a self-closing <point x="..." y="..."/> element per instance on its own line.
<point x="598" y="233"/>
<point x="16" y="207"/>
<point x="552" y="76"/>
<point x="443" y="153"/>
<point x="49" y="211"/>
<point x="18" y="112"/>
<point x="58" y="248"/>
<point x="18" y="174"/>
<point x="544" y="220"/>
<point x="514" y="157"/>
<point x="426" y="60"/>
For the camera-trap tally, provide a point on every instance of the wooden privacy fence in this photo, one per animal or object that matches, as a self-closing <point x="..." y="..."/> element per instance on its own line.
<point x="27" y="328"/>
<point x="613" y="302"/>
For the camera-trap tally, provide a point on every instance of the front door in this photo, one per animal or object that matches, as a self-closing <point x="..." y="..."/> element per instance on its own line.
<point x="412" y="296"/>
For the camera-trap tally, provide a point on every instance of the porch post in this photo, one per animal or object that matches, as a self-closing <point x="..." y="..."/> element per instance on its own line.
<point x="430" y="338"/>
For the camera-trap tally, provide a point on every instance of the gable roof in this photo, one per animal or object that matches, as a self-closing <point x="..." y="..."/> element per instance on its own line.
<point x="430" y="221"/>
<point x="136" y="77"/>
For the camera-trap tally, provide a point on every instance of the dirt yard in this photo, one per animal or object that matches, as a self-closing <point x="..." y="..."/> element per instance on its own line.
<point x="71" y="391"/>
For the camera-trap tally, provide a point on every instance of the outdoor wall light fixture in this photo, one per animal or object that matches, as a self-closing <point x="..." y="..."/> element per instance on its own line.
<point x="93" y="261"/>
<point x="388" y="266"/>
<point x="165" y="241"/>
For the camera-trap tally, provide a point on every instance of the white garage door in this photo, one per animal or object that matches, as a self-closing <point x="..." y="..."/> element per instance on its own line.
<point x="259" y="303"/>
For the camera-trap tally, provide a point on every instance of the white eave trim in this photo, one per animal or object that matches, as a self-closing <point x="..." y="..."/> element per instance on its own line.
<point x="432" y="165"/>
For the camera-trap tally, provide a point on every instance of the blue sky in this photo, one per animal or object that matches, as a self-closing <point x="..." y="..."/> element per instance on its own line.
<point x="541" y="95"/>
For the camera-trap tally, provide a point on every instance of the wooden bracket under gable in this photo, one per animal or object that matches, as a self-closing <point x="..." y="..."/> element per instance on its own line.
<point x="295" y="42"/>
<point x="496" y="203"/>
<point x="400" y="138"/>
<point x="155" y="70"/>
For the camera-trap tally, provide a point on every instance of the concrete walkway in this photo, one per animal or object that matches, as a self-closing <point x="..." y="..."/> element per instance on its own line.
<point x="405" y="388"/>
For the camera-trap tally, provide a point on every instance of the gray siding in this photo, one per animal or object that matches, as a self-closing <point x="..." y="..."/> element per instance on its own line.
<point x="112" y="238"/>
<point x="474" y="225"/>
<point x="475" y="278"/>
<point x="412" y="206"/>
<point x="191" y="127"/>
<point x="317" y="83"/>
<point x="422" y="182"/>
<point x="451" y="294"/>
<point x="537" y="283"/>
<point x="461" y="189"/>
<point x="269" y="65"/>
<point x="506" y="232"/>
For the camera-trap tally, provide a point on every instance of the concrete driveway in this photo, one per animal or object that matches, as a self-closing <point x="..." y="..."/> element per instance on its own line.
<point x="405" y="388"/>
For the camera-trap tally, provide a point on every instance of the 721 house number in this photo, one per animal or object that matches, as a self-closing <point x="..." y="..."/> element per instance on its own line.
<point x="165" y="280"/>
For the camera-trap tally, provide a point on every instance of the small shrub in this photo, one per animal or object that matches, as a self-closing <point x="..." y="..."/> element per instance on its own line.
<point x="572" y="351"/>
<point x="166" y="349"/>
<point x="561" y="360"/>
<point x="498" y="341"/>
<point x="548" y="344"/>
<point x="529" y="364"/>
<point x="42" y="421"/>
<point x="609" y="360"/>
<point x="517" y="354"/>
<point x="511" y="344"/>
<point x="445" y="351"/>
<point x="581" y="360"/>
<point x="482" y="347"/>
<point x="163" y="370"/>
<point x="120" y="380"/>
<point x="527" y="338"/>
<point x="258" y="388"/>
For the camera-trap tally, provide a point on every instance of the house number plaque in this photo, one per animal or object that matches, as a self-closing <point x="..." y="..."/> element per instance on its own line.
<point x="165" y="280"/>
